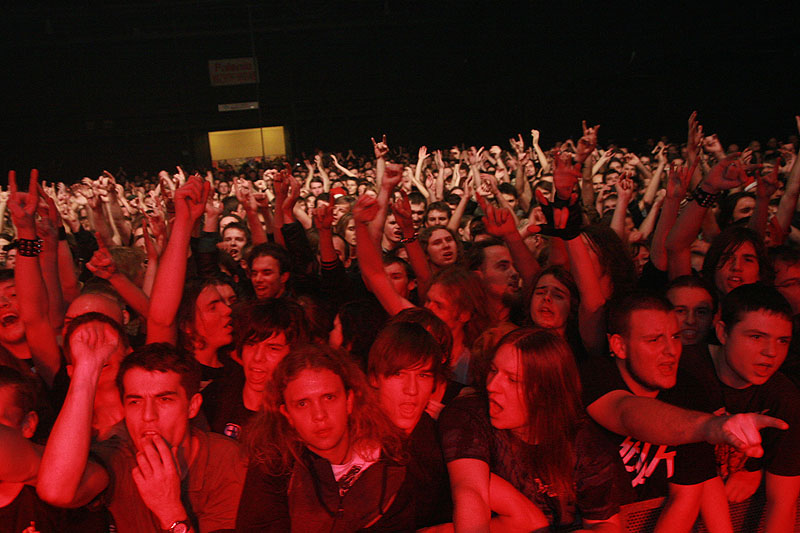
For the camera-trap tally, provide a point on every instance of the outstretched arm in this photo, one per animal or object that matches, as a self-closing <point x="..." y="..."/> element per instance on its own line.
<point x="30" y="287"/>
<point x="370" y="261"/>
<point x="190" y="201"/>
<point x="725" y="175"/>
<point x="66" y="477"/>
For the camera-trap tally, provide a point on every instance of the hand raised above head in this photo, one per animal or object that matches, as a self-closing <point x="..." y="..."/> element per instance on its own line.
<point x="380" y="148"/>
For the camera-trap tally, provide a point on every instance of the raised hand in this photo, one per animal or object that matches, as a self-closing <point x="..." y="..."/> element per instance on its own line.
<point x="726" y="174"/>
<point x="402" y="214"/>
<point x="712" y="145"/>
<point x="190" y="200"/>
<point x="437" y="157"/>
<point x="535" y="137"/>
<point x="475" y="157"/>
<point x="380" y="148"/>
<point x="365" y="209"/>
<point x="624" y="187"/>
<point x="392" y="176"/>
<point x="93" y="343"/>
<point x="565" y="174"/>
<point x="323" y="217"/>
<point x="102" y="263"/>
<point x="518" y="145"/>
<point x="423" y="153"/>
<point x="498" y="220"/>
<point x="564" y="217"/>
<point x="587" y="143"/>
<point x="695" y="136"/>
<point x="678" y="181"/>
<point x="767" y="184"/>
<point x="22" y="205"/>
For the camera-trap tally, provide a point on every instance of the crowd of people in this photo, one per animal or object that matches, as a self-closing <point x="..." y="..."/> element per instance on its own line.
<point x="505" y="339"/>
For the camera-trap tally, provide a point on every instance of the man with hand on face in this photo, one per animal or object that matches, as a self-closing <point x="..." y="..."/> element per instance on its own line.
<point x="159" y="474"/>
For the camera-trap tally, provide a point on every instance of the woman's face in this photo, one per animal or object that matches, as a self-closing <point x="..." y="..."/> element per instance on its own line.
<point x="737" y="267"/>
<point x="550" y="305"/>
<point x="504" y="384"/>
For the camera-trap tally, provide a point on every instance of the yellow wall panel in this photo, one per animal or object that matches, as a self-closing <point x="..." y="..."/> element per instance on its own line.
<point x="243" y="144"/>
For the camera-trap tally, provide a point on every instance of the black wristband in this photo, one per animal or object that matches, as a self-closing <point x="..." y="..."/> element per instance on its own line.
<point x="703" y="198"/>
<point x="409" y="239"/>
<point x="29" y="247"/>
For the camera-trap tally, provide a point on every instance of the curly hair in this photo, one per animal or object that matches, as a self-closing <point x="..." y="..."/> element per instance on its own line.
<point x="275" y="445"/>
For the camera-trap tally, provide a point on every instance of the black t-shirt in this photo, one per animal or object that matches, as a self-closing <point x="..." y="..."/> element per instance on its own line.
<point x="27" y="510"/>
<point x="777" y="397"/>
<point x="599" y="480"/>
<point x="432" y="501"/>
<point x="651" y="465"/>
<point x="230" y="416"/>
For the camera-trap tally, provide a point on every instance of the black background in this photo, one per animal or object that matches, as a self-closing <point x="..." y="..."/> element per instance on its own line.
<point x="98" y="85"/>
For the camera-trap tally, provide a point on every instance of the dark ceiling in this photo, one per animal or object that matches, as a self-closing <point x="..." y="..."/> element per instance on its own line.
<point x="107" y="84"/>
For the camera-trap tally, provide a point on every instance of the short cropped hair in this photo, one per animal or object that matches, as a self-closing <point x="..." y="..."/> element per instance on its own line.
<point x="753" y="297"/>
<point x="259" y="320"/>
<point x="621" y="309"/>
<point x="403" y="345"/>
<point x="162" y="357"/>
<point x="24" y="388"/>
<point x="269" y="249"/>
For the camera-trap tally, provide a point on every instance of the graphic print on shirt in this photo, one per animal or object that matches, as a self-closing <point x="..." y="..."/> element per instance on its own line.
<point x="636" y="457"/>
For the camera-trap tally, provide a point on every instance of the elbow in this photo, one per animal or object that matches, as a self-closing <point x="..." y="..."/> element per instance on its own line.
<point x="56" y="494"/>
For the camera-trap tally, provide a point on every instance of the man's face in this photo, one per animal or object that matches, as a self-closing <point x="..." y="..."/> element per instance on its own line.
<point x="436" y="218"/>
<point x="651" y="352"/>
<point x="212" y="318"/>
<point x="417" y="214"/>
<point x="223" y="188"/>
<point x="504" y="383"/>
<point x="259" y="359"/>
<point x="753" y="349"/>
<point x="511" y="199"/>
<point x="317" y="188"/>
<point x="398" y="277"/>
<point x="12" y="330"/>
<point x="317" y="406"/>
<point x="744" y="208"/>
<point x="695" y="310"/>
<point x="392" y="230"/>
<point x="404" y="395"/>
<point x="550" y="304"/>
<point x="268" y="282"/>
<point x="739" y="267"/>
<point x="236" y="241"/>
<point x="442" y="249"/>
<point x="155" y="403"/>
<point x="499" y="275"/>
<point x="787" y="281"/>
<point x="440" y="301"/>
<point x="339" y="209"/>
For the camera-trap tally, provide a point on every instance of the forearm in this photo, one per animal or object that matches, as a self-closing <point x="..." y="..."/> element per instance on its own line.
<point x="118" y="218"/>
<point x="542" y="158"/>
<point x="257" y="233"/>
<point x="133" y="295"/>
<point x="67" y="451"/>
<point x="653" y="186"/>
<point x="70" y="285"/>
<point x="419" y="263"/>
<point x="327" y="253"/>
<point x="376" y="224"/>
<point x="758" y="221"/>
<point x="302" y="217"/>
<point x="168" y="285"/>
<point x="788" y="203"/>
<point x="48" y="261"/>
<point x="524" y="260"/>
<point x="371" y="265"/>
<point x="100" y="225"/>
<point x="458" y="212"/>
<point x="618" y="219"/>
<point x="658" y="249"/>
<point x="649" y="221"/>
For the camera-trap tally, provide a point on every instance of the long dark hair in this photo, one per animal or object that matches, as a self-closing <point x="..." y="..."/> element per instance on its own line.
<point x="552" y="396"/>
<point x="275" y="445"/>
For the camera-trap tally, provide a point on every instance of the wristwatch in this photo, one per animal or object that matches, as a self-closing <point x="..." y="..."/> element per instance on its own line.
<point x="180" y="526"/>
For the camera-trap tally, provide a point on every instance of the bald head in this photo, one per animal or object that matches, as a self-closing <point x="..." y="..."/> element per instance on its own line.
<point x="95" y="303"/>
